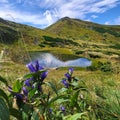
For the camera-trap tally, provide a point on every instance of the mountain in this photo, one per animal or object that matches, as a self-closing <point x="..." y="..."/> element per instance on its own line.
<point x="68" y="38"/>
<point x="10" y="32"/>
<point x="78" y="29"/>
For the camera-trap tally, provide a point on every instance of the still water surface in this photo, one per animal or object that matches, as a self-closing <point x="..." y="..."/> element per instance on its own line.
<point x="50" y="61"/>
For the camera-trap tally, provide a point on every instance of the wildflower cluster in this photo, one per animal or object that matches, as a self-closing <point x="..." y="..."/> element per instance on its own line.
<point x="32" y="86"/>
<point x="34" y="103"/>
<point x="28" y="100"/>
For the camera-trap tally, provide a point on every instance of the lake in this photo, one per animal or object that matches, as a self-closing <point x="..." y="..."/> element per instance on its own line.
<point x="50" y="61"/>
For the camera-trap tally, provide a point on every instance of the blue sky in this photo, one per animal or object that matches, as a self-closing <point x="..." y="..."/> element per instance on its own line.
<point x="42" y="13"/>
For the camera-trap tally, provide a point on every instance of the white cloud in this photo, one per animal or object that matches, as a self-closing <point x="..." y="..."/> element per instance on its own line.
<point x="24" y="18"/>
<point x="94" y="16"/>
<point x="47" y="12"/>
<point x="48" y="16"/>
<point x="107" y="23"/>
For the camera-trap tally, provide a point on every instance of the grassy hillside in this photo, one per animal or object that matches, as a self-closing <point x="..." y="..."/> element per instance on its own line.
<point x="77" y="29"/>
<point x="67" y="39"/>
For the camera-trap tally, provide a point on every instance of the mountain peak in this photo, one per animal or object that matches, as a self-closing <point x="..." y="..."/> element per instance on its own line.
<point x="65" y="18"/>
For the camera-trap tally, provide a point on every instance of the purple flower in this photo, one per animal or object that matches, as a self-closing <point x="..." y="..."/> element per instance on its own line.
<point x="28" y="82"/>
<point x="68" y="76"/>
<point x="65" y="83"/>
<point x="44" y="75"/>
<point x="71" y="71"/>
<point x="34" y="67"/>
<point x="25" y="91"/>
<point x="37" y="80"/>
<point x="62" y="108"/>
<point x="31" y="67"/>
<point x="37" y="66"/>
<point x="17" y="95"/>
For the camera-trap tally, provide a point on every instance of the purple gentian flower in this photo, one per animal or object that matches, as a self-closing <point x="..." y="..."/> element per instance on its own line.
<point x="65" y="83"/>
<point x="62" y="108"/>
<point x="34" y="67"/>
<point x="71" y="71"/>
<point x="31" y="67"/>
<point x="25" y="91"/>
<point x="44" y="75"/>
<point x="68" y="76"/>
<point x="37" y="66"/>
<point x="17" y="95"/>
<point x="28" y="82"/>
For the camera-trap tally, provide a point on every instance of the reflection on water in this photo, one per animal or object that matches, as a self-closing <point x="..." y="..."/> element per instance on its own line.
<point x="50" y="61"/>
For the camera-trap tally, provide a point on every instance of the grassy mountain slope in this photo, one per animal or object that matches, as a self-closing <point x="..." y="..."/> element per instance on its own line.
<point x="78" y="29"/>
<point x="74" y="37"/>
<point x="18" y="39"/>
<point x="95" y="40"/>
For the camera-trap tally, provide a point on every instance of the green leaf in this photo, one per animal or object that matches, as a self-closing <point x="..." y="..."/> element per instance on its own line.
<point x="4" y="111"/>
<point x="32" y="93"/>
<point x="74" y="117"/>
<point x="24" y="116"/>
<point x="52" y="86"/>
<point x="75" y="84"/>
<point x="62" y="90"/>
<point x="4" y="95"/>
<point x="14" y="112"/>
<point x="74" y="99"/>
<point x="27" y="108"/>
<point x="56" y="98"/>
<point x="29" y="75"/>
<point x="35" y="116"/>
<point x="3" y="80"/>
<point x="17" y="86"/>
<point x="60" y="101"/>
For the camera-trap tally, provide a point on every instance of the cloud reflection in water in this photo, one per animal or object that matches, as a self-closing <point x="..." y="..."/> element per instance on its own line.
<point x="50" y="61"/>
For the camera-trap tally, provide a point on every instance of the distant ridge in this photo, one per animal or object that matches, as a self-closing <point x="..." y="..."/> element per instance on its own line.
<point x="79" y="29"/>
<point x="68" y="28"/>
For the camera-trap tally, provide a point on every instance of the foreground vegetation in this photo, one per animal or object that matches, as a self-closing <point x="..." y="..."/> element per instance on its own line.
<point x="63" y="94"/>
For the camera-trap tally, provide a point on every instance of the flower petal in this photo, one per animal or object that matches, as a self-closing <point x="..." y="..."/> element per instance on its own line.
<point x="62" y="108"/>
<point x="28" y="82"/>
<point x="19" y="96"/>
<point x="65" y="83"/>
<point x="25" y="91"/>
<point x="44" y="75"/>
<point x="68" y="76"/>
<point x="71" y="71"/>
<point x="31" y="67"/>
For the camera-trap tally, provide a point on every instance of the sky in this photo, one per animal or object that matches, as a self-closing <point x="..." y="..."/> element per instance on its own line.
<point x="42" y="13"/>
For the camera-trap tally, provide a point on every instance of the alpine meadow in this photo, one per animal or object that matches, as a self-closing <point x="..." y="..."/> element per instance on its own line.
<point x="31" y="91"/>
